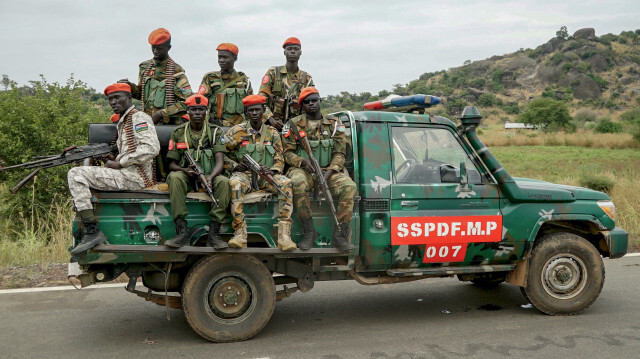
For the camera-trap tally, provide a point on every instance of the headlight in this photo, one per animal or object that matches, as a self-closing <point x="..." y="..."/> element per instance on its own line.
<point x="609" y="208"/>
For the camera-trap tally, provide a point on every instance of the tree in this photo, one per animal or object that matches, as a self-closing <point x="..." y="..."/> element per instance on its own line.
<point x="548" y="113"/>
<point x="562" y="33"/>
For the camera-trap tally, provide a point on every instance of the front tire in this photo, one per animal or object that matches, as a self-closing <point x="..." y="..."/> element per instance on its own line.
<point x="566" y="274"/>
<point x="228" y="298"/>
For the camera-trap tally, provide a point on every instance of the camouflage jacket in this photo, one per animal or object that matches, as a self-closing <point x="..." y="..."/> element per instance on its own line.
<point x="326" y="137"/>
<point x="138" y="144"/>
<point x="154" y="90"/>
<point x="238" y="87"/>
<point x="277" y="83"/>
<point x="243" y="137"/>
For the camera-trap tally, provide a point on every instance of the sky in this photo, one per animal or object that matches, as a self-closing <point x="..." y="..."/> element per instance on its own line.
<point x="355" y="46"/>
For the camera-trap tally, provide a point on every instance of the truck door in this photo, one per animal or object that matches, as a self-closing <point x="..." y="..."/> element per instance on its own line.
<point x="435" y="219"/>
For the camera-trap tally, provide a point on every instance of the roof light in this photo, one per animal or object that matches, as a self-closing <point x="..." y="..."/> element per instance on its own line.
<point x="391" y="101"/>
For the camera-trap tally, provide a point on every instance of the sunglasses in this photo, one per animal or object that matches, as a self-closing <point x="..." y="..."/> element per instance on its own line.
<point x="307" y="101"/>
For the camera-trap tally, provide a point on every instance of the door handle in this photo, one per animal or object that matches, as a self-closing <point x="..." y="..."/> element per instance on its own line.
<point x="409" y="203"/>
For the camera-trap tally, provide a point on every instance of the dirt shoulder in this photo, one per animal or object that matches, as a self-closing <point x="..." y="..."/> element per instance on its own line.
<point x="38" y="275"/>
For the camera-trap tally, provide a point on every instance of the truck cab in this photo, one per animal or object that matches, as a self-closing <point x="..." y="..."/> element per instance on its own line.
<point x="432" y="202"/>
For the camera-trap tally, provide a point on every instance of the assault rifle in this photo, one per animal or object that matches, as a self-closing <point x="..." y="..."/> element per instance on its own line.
<point x="321" y="182"/>
<point x="255" y="167"/>
<point x="201" y="178"/>
<point x="69" y="155"/>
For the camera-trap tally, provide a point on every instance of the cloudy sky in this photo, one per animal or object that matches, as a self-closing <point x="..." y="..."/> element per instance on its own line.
<point x="353" y="46"/>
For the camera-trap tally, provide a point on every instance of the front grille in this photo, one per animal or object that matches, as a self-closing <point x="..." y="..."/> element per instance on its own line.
<point x="375" y="205"/>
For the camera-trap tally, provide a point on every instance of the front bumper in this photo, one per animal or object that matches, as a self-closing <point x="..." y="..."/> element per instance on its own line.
<point x="617" y="242"/>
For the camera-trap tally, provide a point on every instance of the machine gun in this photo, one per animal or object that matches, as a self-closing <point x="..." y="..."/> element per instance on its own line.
<point x="255" y="167"/>
<point x="201" y="178"/>
<point x="321" y="182"/>
<point x="69" y="155"/>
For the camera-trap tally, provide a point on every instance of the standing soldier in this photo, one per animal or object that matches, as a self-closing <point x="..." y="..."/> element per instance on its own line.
<point x="162" y="84"/>
<point x="131" y="170"/>
<point x="262" y="142"/>
<point x="328" y="141"/>
<point x="226" y="88"/>
<point x="282" y="81"/>
<point x="202" y="141"/>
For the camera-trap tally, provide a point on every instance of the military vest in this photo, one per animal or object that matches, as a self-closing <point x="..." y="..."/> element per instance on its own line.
<point x="279" y="89"/>
<point x="322" y="147"/>
<point x="204" y="157"/>
<point x="261" y="151"/>
<point x="233" y="95"/>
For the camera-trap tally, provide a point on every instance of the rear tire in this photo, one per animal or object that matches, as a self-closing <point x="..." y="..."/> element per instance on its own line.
<point x="228" y="298"/>
<point x="566" y="274"/>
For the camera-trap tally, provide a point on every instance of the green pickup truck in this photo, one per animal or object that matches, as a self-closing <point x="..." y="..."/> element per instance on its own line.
<point x="432" y="202"/>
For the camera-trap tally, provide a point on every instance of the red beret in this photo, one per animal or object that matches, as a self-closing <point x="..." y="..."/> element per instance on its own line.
<point x="306" y="92"/>
<point x="117" y="88"/>
<point x="227" y="46"/>
<point x="196" y="100"/>
<point x="291" y="41"/>
<point x="253" y="100"/>
<point x="159" y="36"/>
<point x="115" y="117"/>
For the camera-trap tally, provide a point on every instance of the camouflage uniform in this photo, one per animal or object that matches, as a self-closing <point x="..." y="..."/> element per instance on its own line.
<point x="237" y="87"/>
<point x="265" y="146"/>
<point x="328" y="141"/>
<point x="154" y="76"/>
<point x="277" y="83"/>
<point x="203" y="153"/>
<point x="138" y="146"/>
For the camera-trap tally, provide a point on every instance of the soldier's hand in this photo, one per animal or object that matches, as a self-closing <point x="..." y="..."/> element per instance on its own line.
<point x="241" y="167"/>
<point x="190" y="171"/>
<point x="156" y="117"/>
<point x="306" y="164"/>
<point x="108" y="157"/>
<point x="210" y="181"/>
<point x="275" y="123"/>
<point x="266" y="170"/>
<point x="113" y="164"/>
<point x="327" y="174"/>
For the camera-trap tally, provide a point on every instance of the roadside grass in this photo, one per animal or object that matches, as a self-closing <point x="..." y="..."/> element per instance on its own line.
<point x="494" y="136"/>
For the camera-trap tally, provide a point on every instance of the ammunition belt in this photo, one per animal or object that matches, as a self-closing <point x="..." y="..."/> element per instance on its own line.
<point x="132" y="145"/>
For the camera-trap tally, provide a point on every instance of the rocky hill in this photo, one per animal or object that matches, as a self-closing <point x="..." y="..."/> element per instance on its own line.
<point x="583" y="70"/>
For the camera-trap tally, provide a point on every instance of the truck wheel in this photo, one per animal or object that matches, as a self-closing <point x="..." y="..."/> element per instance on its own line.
<point x="228" y="298"/>
<point x="566" y="274"/>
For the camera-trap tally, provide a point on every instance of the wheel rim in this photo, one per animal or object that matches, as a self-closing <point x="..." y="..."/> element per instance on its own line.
<point x="564" y="276"/>
<point x="229" y="298"/>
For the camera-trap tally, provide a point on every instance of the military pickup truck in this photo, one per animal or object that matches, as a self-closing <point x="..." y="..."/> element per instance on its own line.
<point x="432" y="202"/>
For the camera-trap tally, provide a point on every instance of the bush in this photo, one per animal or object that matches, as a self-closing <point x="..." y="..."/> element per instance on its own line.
<point x="550" y="114"/>
<point x="599" y="80"/>
<point x="606" y="126"/>
<point x="597" y="182"/>
<point x="488" y="100"/>
<point x="632" y="115"/>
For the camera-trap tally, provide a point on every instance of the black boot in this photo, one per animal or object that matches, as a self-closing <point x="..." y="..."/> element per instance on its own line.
<point x="342" y="236"/>
<point x="91" y="238"/>
<point x="181" y="238"/>
<point x="308" y="234"/>
<point x="214" y="239"/>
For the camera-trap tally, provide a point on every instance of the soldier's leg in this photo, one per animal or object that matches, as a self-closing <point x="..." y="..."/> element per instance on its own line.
<point x="179" y="184"/>
<point x="240" y="184"/>
<point x="302" y="182"/>
<point x="285" y="206"/>
<point x="343" y="188"/>
<point x="222" y="192"/>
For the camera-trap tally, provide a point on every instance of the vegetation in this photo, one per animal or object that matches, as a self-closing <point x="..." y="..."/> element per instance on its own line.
<point x="549" y="114"/>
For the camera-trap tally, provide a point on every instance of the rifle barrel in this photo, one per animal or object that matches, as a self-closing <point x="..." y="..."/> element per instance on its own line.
<point x="24" y="181"/>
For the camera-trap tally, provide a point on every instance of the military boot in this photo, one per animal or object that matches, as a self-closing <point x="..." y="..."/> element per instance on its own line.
<point x="239" y="239"/>
<point x="181" y="238"/>
<point x="308" y="234"/>
<point x="284" y="236"/>
<point x="342" y="237"/>
<point x="214" y="239"/>
<point x="92" y="235"/>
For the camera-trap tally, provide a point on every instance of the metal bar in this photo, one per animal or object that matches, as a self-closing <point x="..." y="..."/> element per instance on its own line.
<point x="117" y="248"/>
<point x="450" y="270"/>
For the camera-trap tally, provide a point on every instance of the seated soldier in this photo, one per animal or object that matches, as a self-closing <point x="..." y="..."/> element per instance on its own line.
<point x="131" y="170"/>
<point x="262" y="142"/>
<point x="202" y="141"/>
<point x="331" y="159"/>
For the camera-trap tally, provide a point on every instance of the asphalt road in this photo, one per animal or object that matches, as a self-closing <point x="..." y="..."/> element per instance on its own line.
<point x="436" y="318"/>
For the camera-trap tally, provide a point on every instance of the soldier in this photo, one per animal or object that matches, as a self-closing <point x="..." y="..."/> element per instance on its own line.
<point x="202" y="140"/>
<point x="228" y="85"/>
<point x="327" y="138"/>
<point x="131" y="170"/>
<point x="162" y="84"/>
<point x="282" y="81"/>
<point x="262" y="142"/>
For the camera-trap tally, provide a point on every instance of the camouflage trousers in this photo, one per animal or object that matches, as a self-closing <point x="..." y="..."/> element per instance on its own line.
<point x="341" y="187"/>
<point x="179" y="184"/>
<point x="241" y="184"/>
<point x="82" y="178"/>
